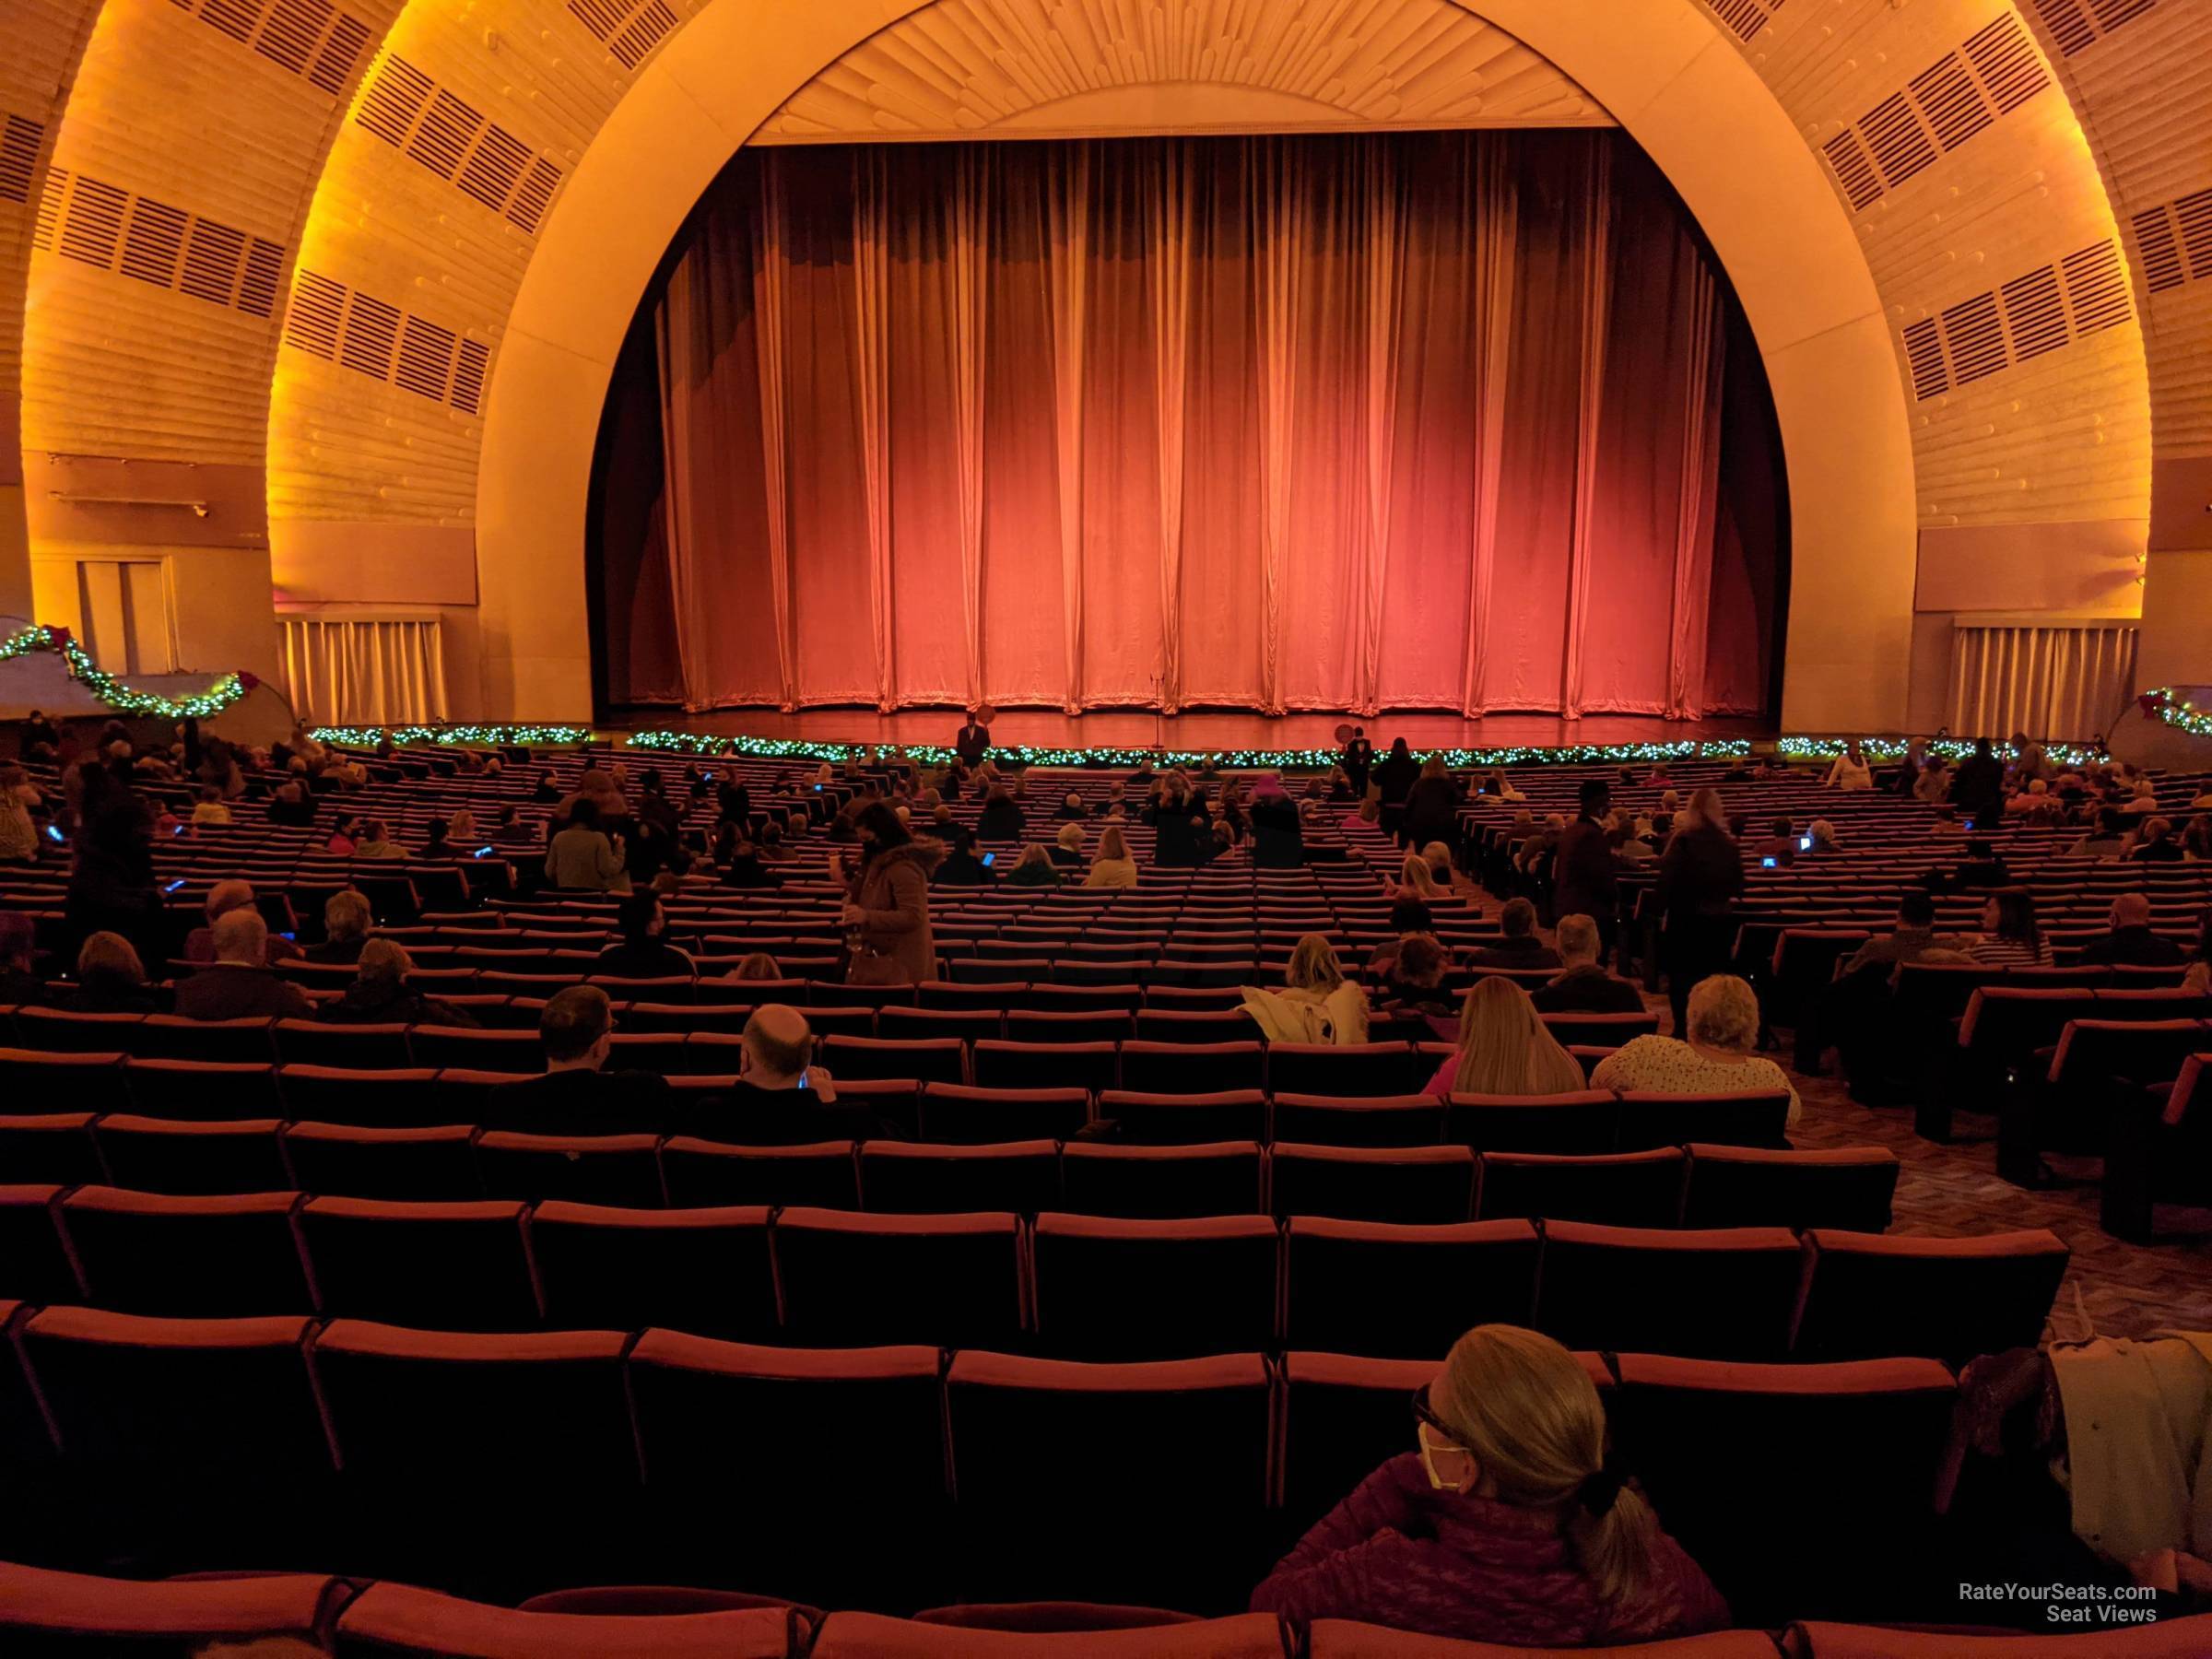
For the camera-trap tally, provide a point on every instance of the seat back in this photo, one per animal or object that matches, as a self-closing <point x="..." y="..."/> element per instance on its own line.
<point x="188" y="1257"/>
<point x="701" y="1174"/>
<point x="955" y="1113"/>
<point x="1588" y="1122"/>
<point x="1725" y="1294"/>
<point x="1347" y="1070"/>
<point x="1192" y="1067"/>
<point x="1944" y="1299"/>
<point x="620" y="1169"/>
<point x="852" y="1280"/>
<point x="1186" y="1119"/>
<point x="900" y="1177"/>
<point x="1752" y="1118"/>
<point x="1373" y="1183"/>
<point x="707" y="1271"/>
<point x="1845" y="1187"/>
<point x="436" y="1266"/>
<point x="1213" y="1178"/>
<point x="1117" y="1289"/>
<point x="420" y="1165"/>
<point x="1403" y="1120"/>
<point x="155" y="1155"/>
<point x="394" y="1619"/>
<point x="1399" y="1291"/>
<point x="1618" y="1189"/>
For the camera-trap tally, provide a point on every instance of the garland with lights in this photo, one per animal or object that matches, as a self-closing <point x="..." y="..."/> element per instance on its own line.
<point x="123" y="699"/>
<point x="455" y="736"/>
<point x="2164" y="705"/>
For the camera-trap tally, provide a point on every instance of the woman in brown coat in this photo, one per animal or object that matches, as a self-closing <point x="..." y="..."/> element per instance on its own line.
<point x="888" y="905"/>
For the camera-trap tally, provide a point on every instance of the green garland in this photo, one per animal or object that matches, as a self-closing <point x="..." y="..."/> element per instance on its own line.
<point x="455" y="736"/>
<point x="2165" y="705"/>
<point x="123" y="699"/>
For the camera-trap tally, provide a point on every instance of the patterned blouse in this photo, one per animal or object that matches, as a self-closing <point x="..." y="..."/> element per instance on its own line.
<point x="1669" y="1066"/>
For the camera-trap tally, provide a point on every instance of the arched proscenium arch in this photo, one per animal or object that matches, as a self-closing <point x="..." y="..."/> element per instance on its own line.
<point x="1660" y="67"/>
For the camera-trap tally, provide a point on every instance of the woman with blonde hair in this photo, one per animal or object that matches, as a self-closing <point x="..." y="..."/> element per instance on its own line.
<point x="1036" y="867"/>
<point x="1415" y="880"/>
<point x="1508" y="1522"/>
<point x="1113" y="868"/>
<point x="1721" y="1021"/>
<point x="759" y="965"/>
<point x="1066" y="849"/>
<point x="1504" y="1049"/>
<point x="1317" y="1003"/>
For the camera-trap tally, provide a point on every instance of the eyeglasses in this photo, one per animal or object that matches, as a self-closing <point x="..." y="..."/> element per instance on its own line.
<point x="1449" y="1465"/>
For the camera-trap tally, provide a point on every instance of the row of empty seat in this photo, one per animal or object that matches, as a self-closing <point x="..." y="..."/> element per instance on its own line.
<point x="1066" y="1283"/>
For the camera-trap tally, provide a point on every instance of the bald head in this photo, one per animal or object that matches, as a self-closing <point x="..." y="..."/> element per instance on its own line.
<point x="241" y="936"/>
<point x="227" y="896"/>
<point x="2131" y="909"/>
<point x="779" y="1043"/>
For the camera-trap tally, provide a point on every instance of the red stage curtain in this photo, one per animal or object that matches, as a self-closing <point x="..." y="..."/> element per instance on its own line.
<point x="1422" y="420"/>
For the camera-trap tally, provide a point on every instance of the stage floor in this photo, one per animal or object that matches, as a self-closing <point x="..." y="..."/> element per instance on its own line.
<point x="1136" y="728"/>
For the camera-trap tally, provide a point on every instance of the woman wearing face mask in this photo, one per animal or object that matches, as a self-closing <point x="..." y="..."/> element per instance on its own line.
<point x="1506" y="1522"/>
<point x="886" y="914"/>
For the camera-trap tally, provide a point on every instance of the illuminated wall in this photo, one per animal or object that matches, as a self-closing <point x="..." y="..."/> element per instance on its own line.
<point x="327" y="290"/>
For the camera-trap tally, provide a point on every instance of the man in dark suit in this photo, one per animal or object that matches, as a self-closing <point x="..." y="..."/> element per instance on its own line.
<point x="781" y="1099"/>
<point x="2131" y="943"/>
<point x="1359" y="760"/>
<point x="1585" y="987"/>
<point x="1582" y="878"/>
<point x="578" y="1095"/>
<point x="239" y="984"/>
<point x="974" y="740"/>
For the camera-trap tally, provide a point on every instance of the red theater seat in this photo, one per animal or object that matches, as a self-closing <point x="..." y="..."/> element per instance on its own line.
<point x="43" y="1082"/>
<point x="1220" y="1178"/>
<point x="55" y="1147"/>
<point x="859" y="1281"/>
<point x="1091" y="1065"/>
<point x="1171" y="1508"/>
<point x="155" y="1155"/>
<point x="1185" y="1120"/>
<point x="927" y="1059"/>
<point x="36" y="1261"/>
<point x="1848" y="1188"/>
<point x="2169" y="1639"/>
<point x="903" y="1178"/>
<point x="873" y="1636"/>
<point x="1373" y="1183"/>
<point x="1379" y="1121"/>
<point x="405" y="1165"/>
<point x="1192" y="1067"/>
<point x="334" y="1094"/>
<point x="702" y="1270"/>
<point x="399" y="1619"/>
<point x="1723" y="1294"/>
<point x="622" y="1170"/>
<point x="701" y="1174"/>
<point x="1110" y="1288"/>
<point x="1341" y="1070"/>
<point x="1402" y="1291"/>
<point x="188" y="1257"/>
<point x="1559" y="1123"/>
<point x="441" y="1267"/>
<point x="1345" y="1639"/>
<point x="204" y="1090"/>
<point x="318" y="1043"/>
<point x="74" y="1610"/>
<point x="1945" y="1298"/>
<point x="774" y="1441"/>
<point x="1620" y="1189"/>
<point x="953" y="1113"/>
<point x="1749" y="1119"/>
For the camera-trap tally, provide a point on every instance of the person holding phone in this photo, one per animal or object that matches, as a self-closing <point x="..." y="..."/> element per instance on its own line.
<point x="886" y="915"/>
<point x="782" y="1097"/>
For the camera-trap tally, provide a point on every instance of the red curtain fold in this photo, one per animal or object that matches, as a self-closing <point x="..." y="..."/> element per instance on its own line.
<point x="1412" y="420"/>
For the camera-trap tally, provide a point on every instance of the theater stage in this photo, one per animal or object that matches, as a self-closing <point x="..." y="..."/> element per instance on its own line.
<point x="1222" y="729"/>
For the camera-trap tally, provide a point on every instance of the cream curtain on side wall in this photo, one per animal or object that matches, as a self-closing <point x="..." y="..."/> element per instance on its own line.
<point x="2069" y="681"/>
<point x="358" y="670"/>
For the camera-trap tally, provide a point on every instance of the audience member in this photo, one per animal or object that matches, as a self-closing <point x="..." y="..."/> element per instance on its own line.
<point x="17" y="953"/>
<point x="1978" y="786"/>
<point x="1001" y="818"/>
<point x="2156" y="843"/>
<point x="1504" y="1048"/>
<point x="346" y="921"/>
<point x="382" y="993"/>
<point x="1072" y="810"/>
<point x="781" y="1098"/>
<point x="291" y="806"/>
<point x="376" y="842"/>
<point x="1508" y="1522"/>
<point x="1850" y="772"/>
<point x="1317" y="1003"/>
<point x="112" y="980"/>
<point x="1520" y="947"/>
<point x="1394" y="778"/>
<point x="961" y="866"/>
<point x="2131" y="943"/>
<point x="112" y="886"/>
<point x="1911" y="938"/>
<point x="1585" y="987"/>
<point x="582" y="858"/>
<point x="2010" y="935"/>
<point x="239" y="984"/>
<point x="2109" y="839"/>
<point x="1583" y="880"/>
<point x="1700" y="877"/>
<point x="1278" y="840"/>
<point x="888" y="901"/>
<point x="1035" y="869"/>
<point x="18" y="830"/>
<point x="1067" y="850"/>
<point x="1431" y="805"/>
<point x="222" y="899"/>
<point x="644" y="951"/>
<point x="757" y="965"/>
<point x="577" y="1094"/>
<point x="1715" y="1058"/>
<point x="1113" y="868"/>
<point x="1407" y="974"/>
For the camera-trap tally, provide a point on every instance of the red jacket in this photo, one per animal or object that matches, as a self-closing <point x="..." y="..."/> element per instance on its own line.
<point x="1398" y="1552"/>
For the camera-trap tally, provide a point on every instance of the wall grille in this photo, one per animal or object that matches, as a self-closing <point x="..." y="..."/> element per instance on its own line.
<point x="19" y="139"/>
<point x="629" y="30"/>
<point x="374" y="337"/>
<point x="479" y="157"/>
<point x="2077" y="24"/>
<point x="1959" y="95"/>
<point x="100" y="224"/>
<point x="2037" y="312"/>
<point x="311" y="38"/>
<point x="2173" y="241"/>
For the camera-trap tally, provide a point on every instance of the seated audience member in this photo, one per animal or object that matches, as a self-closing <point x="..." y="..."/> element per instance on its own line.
<point x="2010" y="935"/>
<point x="1113" y="868"/>
<point x="961" y="865"/>
<point x="112" y="980"/>
<point x="290" y="805"/>
<point x="209" y="808"/>
<point x="508" y="830"/>
<point x="781" y="1098"/>
<point x="222" y="899"/>
<point x="239" y="984"/>
<point x="1981" y="868"/>
<point x="1317" y="1003"/>
<point x="1585" y="987"/>
<point x="1851" y="1013"/>
<point x="438" y="842"/>
<point x="1066" y="852"/>
<point x="1520" y="947"/>
<point x="644" y="951"/>
<point x="1823" y="834"/>
<point x="2156" y="844"/>
<point x="2131" y="943"/>
<point x="1072" y="810"/>
<point x="1781" y="846"/>
<point x="1001" y="819"/>
<point x="376" y="842"/>
<point x="1850" y="772"/>
<point x="1911" y="938"/>
<point x="1408" y="976"/>
<point x="1716" y="1059"/>
<point x="2109" y="839"/>
<point x="344" y="836"/>
<point x="1935" y="780"/>
<point x="1508" y="1522"/>
<point x="380" y="994"/>
<point x="1535" y="854"/>
<point x="17" y="951"/>
<point x="18" y="828"/>
<point x="2196" y="840"/>
<point x="760" y="965"/>
<point x="345" y="928"/>
<point x="1504" y="1048"/>
<point x="1278" y="837"/>
<point x="578" y="1095"/>
<point x="1631" y="842"/>
<point x="1442" y="870"/>
<point x="739" y="859"/>
<point x="1116" y="804"/>
<point x="1036" y="869"/>
<point x="2144" y="802"/>
<point x="1417" y="883"/>
<point x="582" y="858"/>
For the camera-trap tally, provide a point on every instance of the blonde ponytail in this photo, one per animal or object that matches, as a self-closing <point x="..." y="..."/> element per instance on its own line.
<point x="1529" y="1413"/>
